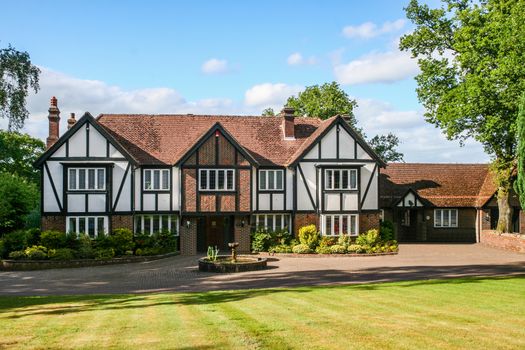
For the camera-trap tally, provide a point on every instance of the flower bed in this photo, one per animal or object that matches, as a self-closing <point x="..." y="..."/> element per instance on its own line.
<point x="18" y="265"/>
<point x="317" y="255"/>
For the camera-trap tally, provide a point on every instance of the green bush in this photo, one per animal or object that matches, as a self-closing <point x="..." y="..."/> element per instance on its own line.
<point x="309" y="236"/>
<point x="281" y="248"/>
<point x="17" y="240"/>
<point x="386" y="230"/>
<point x="33" y="236"/>
<point x="337" y="249"/>
<point x="85" y="248"/>
<point x="17" y="255"/>
<point x="2" y="249"/>
<point x="101" y="242"/>
<point x="369" y="238"/>
<point x="104" y="253"/>
<point x="60" y="254"/>
<point x="326" y="241"/>
<point x="354" y="248"/>
<point x="344" y="240"/>
<point x="18" y="197"/>
<point x="263" y="239"/>
<point x="165" y="240"/>
<point x="53" y="239"/>
<point x="301" y="249"/>
<point x="36" y="252"/>
<point x="323" y="249"/>
<point x="142" y="241"/>
<point x="121" y="240"/>
<point x="72" y="241"/>
<point x="150" y="251"/>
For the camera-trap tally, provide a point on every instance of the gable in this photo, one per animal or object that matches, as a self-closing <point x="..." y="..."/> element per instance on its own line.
<point x="86" y="139"/>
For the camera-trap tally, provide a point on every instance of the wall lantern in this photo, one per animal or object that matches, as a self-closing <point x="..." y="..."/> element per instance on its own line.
<point x="188" y="223"/>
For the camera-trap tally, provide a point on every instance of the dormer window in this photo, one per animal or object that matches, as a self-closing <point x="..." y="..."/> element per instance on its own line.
<point x="156" y="179"/>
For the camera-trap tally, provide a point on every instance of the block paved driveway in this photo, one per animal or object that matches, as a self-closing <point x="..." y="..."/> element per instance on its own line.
<point x="414" y="261"/>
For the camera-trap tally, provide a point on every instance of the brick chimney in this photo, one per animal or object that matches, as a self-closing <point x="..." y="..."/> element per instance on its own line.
<point x="71" y="121"/>
<point x="288" y="123"/>
<point x="54" y="120"/>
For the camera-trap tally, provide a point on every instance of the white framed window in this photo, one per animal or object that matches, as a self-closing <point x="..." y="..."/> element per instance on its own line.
<point x="216" y="179"/>
<point x="156" y="179"/>
<point x="406" y="218"/>
<point x="340" y="179"/>
<point x="272" y="222"/>
<point x="340" y="224"/>
<point x="271" y="180"/>
<point x="156" y="223"/>
<point x="86" y="179"/>
<point x="445" y="218"/>
<point x="93" y="226"/>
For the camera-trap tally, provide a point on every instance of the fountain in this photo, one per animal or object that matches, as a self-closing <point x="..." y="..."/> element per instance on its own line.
<point x="214" y="262"/>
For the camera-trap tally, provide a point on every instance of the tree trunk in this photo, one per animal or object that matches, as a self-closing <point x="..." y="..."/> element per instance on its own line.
<point x="505" y="210"/>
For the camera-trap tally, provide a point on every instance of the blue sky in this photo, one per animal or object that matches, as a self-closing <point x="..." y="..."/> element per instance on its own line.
<point x="225" y="57"/>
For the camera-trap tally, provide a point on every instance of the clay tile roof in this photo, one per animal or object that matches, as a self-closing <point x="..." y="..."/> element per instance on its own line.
<point x="440" y="185"/>
<point x="164" y="139"/>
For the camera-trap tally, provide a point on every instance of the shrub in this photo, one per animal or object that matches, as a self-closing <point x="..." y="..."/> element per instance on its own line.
<point x="53" y="239"/>
<point x="327" y="241"/>
<point x="344" y="240"/>
<point x="149" y="251"/>
<point x="33" y="236"/>
<point x="36" y="252"/>
<point x="281" y="248"/>
<point x="309" y="236"/>
<point x="263" y="239"/>
<point x="104" y="253"/>
<point x="386" y="230"/>
<point x="354" y="248"/>
<point x="60" y="254"/>
<point x="100" y="242"/>
<point x="2" y="249"/>
<point x="165" y="240"/>
<point x="85" y="249"/>
<point x="16" y="240"/>
<point x="72" y="241"/>
<point x="121" y="240"/>
<point x="323" y="249"/>
<point x="301" y="249"/>
<point x="142" y="241"/>
<point x="337" y="249"/>
<point x="369" y="238"/>
<point x="17" y="198"/>
<point x="17" y="255"/>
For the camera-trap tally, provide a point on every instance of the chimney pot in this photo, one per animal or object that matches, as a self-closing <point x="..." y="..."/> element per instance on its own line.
<point x="54" y="122"/>
<point x="288" y="122"/>
<point x="71" y="121"/>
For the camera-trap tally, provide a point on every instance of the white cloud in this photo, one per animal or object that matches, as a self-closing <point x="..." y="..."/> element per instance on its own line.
<point x="384" y="67"/>
<point x="297" y="59"/>
<point x="369" y="30"/>
<point x="270" y="95"/>
<point x="215" y="66"/>
<point x="79" y="95"/>
<point x="420" y="141"/>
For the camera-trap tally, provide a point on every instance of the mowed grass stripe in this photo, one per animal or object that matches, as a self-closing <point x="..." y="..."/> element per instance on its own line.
<point x="449" y="314"/>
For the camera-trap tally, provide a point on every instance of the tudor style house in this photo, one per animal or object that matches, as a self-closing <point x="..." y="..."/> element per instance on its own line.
<point x="209" y="179"/>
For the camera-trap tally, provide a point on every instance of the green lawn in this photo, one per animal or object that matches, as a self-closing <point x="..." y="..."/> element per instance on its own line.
<point x="460" y="313"/>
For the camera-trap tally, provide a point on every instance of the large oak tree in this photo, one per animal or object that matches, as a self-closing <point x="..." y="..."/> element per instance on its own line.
<point x="471" y="55"/>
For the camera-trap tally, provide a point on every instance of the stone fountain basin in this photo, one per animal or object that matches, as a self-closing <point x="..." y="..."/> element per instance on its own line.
<point x="225" y="264"/>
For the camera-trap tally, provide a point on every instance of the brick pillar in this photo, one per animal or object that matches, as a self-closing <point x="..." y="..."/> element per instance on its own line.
<point x="242" y="233"/>
<point x="188" y="237"/>
<point x="369" y="221"/>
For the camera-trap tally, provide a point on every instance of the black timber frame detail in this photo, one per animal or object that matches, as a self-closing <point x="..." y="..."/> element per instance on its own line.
<point x="52" y="187"/>
<point x="368" y="186"/>
<point x="121" y="186"/>
<point x="307" y="188"/>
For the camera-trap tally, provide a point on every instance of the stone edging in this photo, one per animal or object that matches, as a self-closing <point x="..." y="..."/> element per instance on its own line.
<point x="17" y="265"/>
<point x="316" y="255"/>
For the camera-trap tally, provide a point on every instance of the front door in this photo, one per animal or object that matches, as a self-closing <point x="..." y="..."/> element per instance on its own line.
<point x="219" y="232"/>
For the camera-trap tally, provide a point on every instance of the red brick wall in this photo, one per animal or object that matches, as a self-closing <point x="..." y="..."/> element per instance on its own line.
<point x="242" y="234"/>
<point x="188" y="237"/>
<point x="207" y="152"/>
<point x="53" y="223"/>
<point x="121" y="221"/>
<point x="190" y="197"/>
<point x="507" y="241"/>
<point x="244" y="189"/>
<point x="305" y="219"/>
<point x="227" y="202"/>
<point x="368" y="221"/>
<point x="226" y="152"/>
<point x="207" y="202"/>
<point x="241" y="160"/>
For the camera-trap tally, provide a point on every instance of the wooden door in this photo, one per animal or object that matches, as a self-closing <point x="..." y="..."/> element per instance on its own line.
<point x="215" y="232"/>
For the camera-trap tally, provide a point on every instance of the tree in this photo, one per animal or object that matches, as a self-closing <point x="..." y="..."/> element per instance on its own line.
<point x="17" y="198"/>
<point x="268" y="112"/>
<point x="18" y="152"/>
<point x="323" y="102"/>
<point x="17" y="75"/>
<point x="385" y="147"/>
<point x="328" y="100"/>
<point x="471" y="56"/>
<point x="519" y="185"/>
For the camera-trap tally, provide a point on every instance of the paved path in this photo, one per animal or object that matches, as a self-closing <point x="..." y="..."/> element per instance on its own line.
<point x="414" y="261"/>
